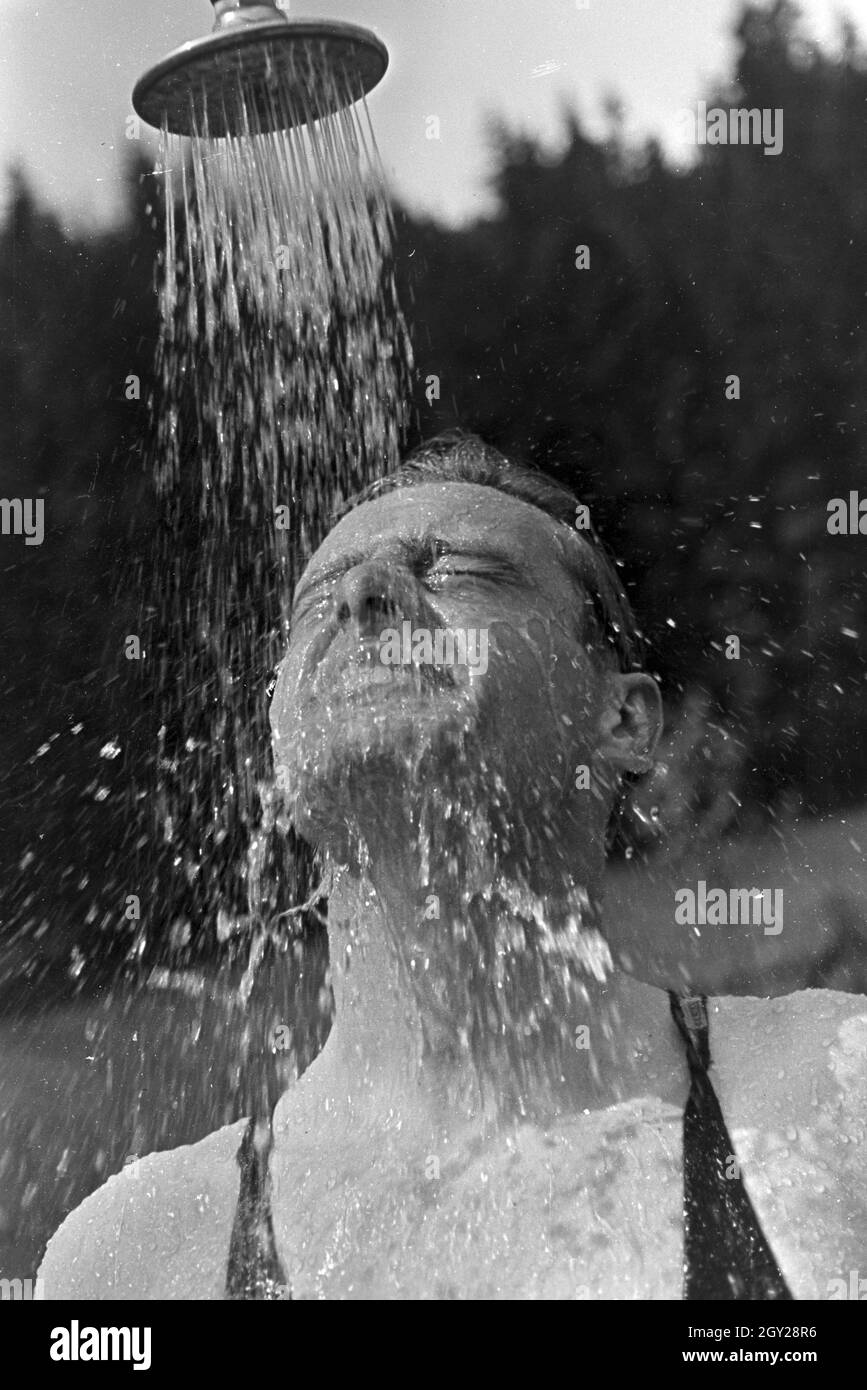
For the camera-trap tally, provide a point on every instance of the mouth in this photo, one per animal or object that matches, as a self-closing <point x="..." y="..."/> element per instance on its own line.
<point x="350" y="675"/>
<point x="363" y="681"/>
<point x="373" y="681"/>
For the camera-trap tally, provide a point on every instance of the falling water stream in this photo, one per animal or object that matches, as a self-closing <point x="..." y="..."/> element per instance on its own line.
<point x="283" y="379"/>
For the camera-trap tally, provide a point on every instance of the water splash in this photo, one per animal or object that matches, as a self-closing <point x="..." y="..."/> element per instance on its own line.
<point x="283" y="380"/>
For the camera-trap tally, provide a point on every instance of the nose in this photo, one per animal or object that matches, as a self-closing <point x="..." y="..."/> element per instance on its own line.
<point x="372" y="595"/>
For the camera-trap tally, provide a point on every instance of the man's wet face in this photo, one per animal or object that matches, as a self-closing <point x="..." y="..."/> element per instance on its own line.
<point x="393" y="579"/>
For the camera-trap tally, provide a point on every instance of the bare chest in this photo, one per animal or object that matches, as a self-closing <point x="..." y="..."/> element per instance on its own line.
<point x="584" y="1210"/>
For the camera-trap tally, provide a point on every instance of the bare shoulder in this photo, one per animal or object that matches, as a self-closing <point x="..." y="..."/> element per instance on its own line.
<point x="158" y="1230"/>
<point x="791" y="1076"/>
<point x="783" y="1052"/>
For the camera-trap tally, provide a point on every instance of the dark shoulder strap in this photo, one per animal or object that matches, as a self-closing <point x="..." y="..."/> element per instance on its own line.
<point x="255" y="1271"/>
<point x="726" y="1254"/>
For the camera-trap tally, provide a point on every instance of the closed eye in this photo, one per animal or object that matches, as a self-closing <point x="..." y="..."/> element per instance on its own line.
<point x="492" y="571"/>
<point x="432" y="565"/>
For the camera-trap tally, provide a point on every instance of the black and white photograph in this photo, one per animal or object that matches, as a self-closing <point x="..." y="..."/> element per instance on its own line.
<point x="433" y="559"/>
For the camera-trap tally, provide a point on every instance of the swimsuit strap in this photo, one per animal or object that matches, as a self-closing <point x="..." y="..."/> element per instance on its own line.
<point x="726" y="1254"/>
<point x="255" y="1271"/>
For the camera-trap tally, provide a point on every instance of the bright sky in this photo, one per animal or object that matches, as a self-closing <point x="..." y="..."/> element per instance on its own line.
<point x="67" y="68"/>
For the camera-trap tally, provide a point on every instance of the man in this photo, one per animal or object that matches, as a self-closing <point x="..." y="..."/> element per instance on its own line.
<point x="499" y="1112"/>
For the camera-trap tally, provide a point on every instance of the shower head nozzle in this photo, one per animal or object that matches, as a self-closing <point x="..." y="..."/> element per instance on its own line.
<point x="260" y="71"/>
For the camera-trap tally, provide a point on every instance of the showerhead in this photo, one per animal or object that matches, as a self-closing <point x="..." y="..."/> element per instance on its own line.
<point x="258" y="66"/>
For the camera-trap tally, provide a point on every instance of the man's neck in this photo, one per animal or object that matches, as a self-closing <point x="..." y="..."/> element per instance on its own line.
<point x="398" y="1056"/>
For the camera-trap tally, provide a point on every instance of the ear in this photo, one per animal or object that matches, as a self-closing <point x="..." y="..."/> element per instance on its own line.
<point x="631" y="722"/>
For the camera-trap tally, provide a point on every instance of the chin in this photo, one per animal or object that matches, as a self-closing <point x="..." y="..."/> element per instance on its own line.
<point x="349" y="763"/>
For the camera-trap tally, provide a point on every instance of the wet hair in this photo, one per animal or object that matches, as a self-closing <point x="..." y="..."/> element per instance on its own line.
<point x="608" y="628"/>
